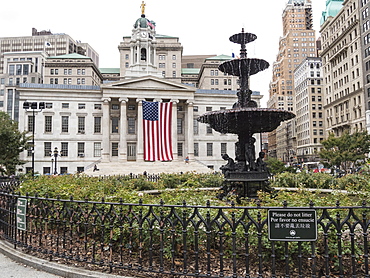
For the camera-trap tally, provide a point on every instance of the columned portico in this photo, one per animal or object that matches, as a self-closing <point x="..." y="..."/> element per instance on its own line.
<point x="123" y="130"/>
<point x="106" y="130"/>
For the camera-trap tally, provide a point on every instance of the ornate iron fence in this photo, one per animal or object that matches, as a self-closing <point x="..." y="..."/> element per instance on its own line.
<point x="200" y="241"/>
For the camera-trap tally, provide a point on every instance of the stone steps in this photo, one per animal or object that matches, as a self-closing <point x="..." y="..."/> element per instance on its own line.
<point x="125" y="168"/>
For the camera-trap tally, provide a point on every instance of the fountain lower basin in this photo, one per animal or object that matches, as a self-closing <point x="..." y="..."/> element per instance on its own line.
<point x="245" y="120"/>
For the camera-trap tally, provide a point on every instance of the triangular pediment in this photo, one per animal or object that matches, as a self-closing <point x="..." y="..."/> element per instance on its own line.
<point x="149" y="83"/>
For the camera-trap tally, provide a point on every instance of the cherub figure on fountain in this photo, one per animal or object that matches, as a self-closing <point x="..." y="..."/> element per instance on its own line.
<point x="229" y="166"/>
<point x="250" y="154"/>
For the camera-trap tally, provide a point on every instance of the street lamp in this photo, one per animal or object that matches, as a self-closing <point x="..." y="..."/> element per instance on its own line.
<point x="55" y="160"/>
<point x="33" y="106"/>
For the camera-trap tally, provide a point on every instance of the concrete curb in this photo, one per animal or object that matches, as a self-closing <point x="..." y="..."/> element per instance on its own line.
<point x="50" y="267"/>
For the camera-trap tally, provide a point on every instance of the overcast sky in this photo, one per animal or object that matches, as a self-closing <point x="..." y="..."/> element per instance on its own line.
<point x="203" y="26"/>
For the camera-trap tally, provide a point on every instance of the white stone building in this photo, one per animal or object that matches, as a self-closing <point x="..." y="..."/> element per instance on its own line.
<point x="91" y="123"/>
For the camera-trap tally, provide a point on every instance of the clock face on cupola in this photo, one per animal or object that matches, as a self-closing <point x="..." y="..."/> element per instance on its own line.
<point x="143" y="48"/>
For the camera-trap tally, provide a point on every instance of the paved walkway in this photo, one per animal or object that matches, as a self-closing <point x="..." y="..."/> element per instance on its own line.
<point x="16" y="264"/>
<point x="12" y="269"/>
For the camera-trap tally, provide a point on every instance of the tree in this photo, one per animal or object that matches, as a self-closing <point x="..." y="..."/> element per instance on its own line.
<point x="276" y="166"/>
<point x="345" y="151"/>
<point x="12" y="143"/>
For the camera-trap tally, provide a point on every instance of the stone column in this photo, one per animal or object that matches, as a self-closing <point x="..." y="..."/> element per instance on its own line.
<point x="132" y="55"/>
<point x="154" y="54"/>
<point x="123" y="131"/>
<point x="140" y="137"/>
<point x="190" y="130"/>
<point x="106" y="130"/>
<point x="174" y="128"/>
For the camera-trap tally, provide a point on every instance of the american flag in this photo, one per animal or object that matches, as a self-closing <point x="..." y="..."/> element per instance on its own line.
<point x="157" y="121"/>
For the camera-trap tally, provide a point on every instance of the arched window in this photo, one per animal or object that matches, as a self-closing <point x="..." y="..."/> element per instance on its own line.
<point x="143" y="54"/>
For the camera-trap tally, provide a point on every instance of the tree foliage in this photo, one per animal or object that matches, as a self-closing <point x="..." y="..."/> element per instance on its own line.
<point x="275" y="166"/>
<point x="345" y="151"/>
<point x="12" y="143"/>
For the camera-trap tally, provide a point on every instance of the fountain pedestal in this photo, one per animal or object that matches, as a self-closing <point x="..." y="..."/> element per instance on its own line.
<point x="247" y="175"/>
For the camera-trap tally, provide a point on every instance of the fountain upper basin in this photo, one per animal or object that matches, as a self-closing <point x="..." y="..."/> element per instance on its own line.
<point x="243" y="66"/>
<point x="245" y="120"/>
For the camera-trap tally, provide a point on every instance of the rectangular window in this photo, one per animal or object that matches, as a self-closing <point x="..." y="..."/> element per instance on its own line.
<point x="97" y="124"/>
<point x="179" y="125"/>
<point x="30" y="123"/>
<point x="63" y="170"/>
<point x="25" y="69"/>
<point x="114" y="149"/>
<point x="195" y="126"/>
<point x="81" y="125"/>
<point x="131" y="125"/>
<point x="223" y="148"/>
<point x="18" y="69"/>
<point x="115" y="107"/>
<point x="208" y="108"/>
<point x="97" y="149"/>
<point x="48" y="123"/>
<point x="65" y="105"/>
<point x="29" y="148"/>
<point x="65" y="123"/>
<point x="97" y="106"/>
<point x="179" y="150"/>
<point x="209" y="130"/>
<point x="47" y="149"/>
<point x="196" y="149"/>
<point x="46" y="170"/>
<point x="81" y="149"/>
<point x="115" y="121"/>
<point x="11" y="69"/>
<point x="209" y="149"/>
<point x="64" y="150"/>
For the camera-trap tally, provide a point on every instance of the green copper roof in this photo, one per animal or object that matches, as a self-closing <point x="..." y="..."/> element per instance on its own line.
<point x="332" y="9"/>
<point x="109" y="70"/>
<point x="190" y="71"/>
<point x="70" y="56"/>
<point x="220" y="57"/>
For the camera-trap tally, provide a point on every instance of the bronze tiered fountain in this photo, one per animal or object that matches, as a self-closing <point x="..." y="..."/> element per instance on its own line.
<point x="247" y="174"/>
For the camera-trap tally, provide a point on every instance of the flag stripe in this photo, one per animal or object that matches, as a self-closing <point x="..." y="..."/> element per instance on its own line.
<point x="157" y="125"/>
